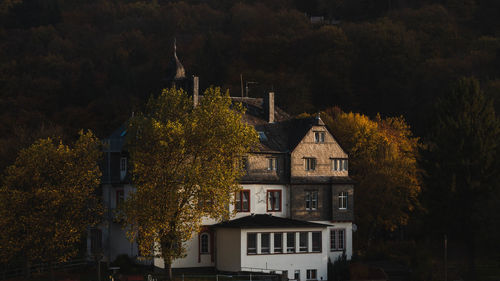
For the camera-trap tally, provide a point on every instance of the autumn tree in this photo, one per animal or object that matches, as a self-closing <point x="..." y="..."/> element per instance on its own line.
<point x="462" y="166"/>
<point x="183" y="159"/>
<point x="383" y="160"/>
<point x="48" y="200"/>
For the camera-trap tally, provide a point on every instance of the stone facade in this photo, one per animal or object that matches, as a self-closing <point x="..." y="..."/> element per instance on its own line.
<point x="258" y="169"/>
<point x="339" y="214"/>
<point x="324" y="152"/>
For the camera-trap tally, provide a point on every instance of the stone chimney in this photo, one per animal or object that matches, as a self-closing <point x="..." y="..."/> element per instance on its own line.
<point x="196" y="86"/>
<point x="269" y="107"/>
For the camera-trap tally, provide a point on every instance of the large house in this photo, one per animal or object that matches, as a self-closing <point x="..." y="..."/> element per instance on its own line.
<point x="293" y="214"/>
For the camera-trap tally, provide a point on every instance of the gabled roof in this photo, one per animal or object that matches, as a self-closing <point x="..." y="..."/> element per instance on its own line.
<point x="267" y="221"/>
<point x="281" y="136"/>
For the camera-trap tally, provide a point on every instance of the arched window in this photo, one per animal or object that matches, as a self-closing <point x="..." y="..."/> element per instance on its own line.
<point x="204" y="243"/>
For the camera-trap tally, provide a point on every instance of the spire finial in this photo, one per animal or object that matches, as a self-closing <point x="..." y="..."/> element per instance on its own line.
<point x="180" y="73"/>
<point x="318" y="119"/>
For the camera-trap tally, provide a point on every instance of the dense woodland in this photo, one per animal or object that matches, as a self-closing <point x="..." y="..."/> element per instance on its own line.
<point x="72" y="64"/>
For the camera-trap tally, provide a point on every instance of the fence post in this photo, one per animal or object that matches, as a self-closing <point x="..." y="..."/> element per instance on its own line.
<point x="182" y="276"/>
<point x="250" y="276"/>
<point x="217" y="277"/>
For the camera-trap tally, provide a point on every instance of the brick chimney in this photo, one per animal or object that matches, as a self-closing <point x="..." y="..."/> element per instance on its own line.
<point x="196" y="86"/>
<point x="269" y="107"/>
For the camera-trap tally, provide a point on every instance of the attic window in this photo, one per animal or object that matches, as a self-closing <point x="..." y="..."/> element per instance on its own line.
<point x="262" y="136"/>
<point x="310" y="164"/>
<point x="339" y="164"/>
<point x="319" y="137"/>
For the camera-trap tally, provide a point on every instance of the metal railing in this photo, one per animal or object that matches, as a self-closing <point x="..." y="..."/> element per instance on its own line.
<point x="41" y="267"/>
<point x="216" y="277"/>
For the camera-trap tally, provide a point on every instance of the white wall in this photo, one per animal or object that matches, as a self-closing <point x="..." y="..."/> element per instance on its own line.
<point x="114" y="240"/>
<point x="289" y="262"/>
<point x="333" y="255"/>
<point x="192" y="251"/>
<point x="229" y="249"/>
<point x="258" y="200"/>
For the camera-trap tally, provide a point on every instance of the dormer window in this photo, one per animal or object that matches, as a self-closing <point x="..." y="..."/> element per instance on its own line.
<point x="310" y="164"/>
<point x="272" y="164"/>
<point x="339" y="164"/>
<point x="319" y="137"/>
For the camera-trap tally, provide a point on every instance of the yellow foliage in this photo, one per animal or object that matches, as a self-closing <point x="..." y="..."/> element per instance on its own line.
<point x="48" y="199"/>
<point x="183" y="167"/>
<point x="383" y="160"/>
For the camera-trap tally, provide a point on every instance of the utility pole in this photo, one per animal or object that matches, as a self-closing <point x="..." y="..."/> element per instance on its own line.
<point x="241" y="81"/>
<point x="445" y="258"/>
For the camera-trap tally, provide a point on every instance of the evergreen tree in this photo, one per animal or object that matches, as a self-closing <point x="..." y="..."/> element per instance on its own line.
<point x="461" y="164"/>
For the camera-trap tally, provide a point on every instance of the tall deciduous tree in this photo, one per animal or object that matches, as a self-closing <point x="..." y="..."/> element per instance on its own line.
<point x="461" y="164"/>
<point x="383" y="160"/>
<point x="183" y="159"/>
<point x="48" y="199"/>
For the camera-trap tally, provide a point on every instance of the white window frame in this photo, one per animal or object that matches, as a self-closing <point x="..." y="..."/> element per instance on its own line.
<point x="240" y="200"/>
<point x="205" y="242"/>
<point x="123" y="164"/>
<point x="337" y="239"/>
<point x="123" y="167"/>
<point x="343" y="200"/>
<point x="291" y="248"/>
<point x="319" y="136"/>
<point x="339" y="164"/>
<point x="296" y="274"/>
<point x="274" y="200"/>
<point x="312" y="274"/>
<point x="254" y="250"/>
<point x="311" y="200"/>
<point x="265" y="250"/>
<point x="304" y="248"/>
<point x="310" y="163"/>
<point x="272" y="164"/>
<point x="278" y="249"/>
<point x="319" y="241"/>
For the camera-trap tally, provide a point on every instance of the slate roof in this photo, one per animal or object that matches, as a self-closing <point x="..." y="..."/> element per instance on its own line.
<point x="266" y="221"/>
<point x="284" y="134"/>
<point x="115" y="141"/>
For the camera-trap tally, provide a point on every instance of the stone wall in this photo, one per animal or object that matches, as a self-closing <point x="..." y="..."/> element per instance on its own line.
<point x="258" y="168"/>
<point x="323" y="152"/>
<point x="298" y="202"/>
<point x="341" y="214"/>
<point x="328" y="202"/>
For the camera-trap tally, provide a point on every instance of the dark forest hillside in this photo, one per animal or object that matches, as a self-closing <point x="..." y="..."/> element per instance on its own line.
<point x="71" y="64"/>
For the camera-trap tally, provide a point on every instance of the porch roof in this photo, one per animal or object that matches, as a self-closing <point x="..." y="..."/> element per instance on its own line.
<point x="267" y="221"/>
